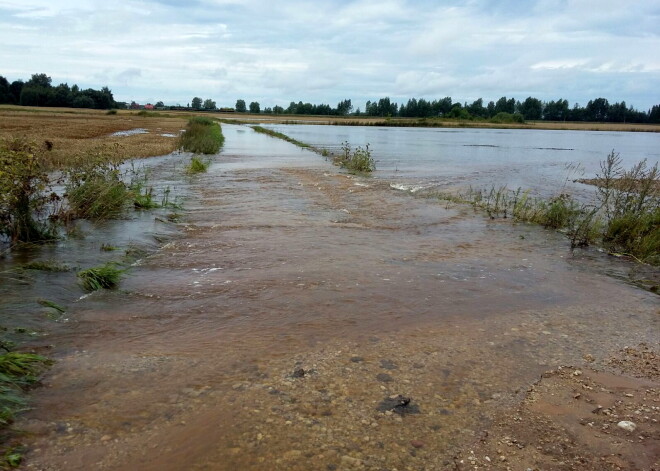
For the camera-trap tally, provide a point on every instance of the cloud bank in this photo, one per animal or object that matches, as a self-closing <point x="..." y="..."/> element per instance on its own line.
<point x="329" y="50"/>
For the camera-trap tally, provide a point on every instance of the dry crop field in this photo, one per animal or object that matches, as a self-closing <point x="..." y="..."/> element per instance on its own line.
<point x="75" y="133"/>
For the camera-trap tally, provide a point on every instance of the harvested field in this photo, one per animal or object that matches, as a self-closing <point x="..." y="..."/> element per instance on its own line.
<point x="80" y="132"/>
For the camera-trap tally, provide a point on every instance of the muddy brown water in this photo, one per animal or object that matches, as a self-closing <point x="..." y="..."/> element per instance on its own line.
<point x="281" y="264"/>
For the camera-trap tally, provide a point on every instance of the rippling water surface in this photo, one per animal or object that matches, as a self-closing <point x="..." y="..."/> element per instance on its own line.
<point x="540" y="160"/>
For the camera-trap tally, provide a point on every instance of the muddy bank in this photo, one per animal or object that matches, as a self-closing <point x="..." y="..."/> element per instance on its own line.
<point x="297" y="303"/>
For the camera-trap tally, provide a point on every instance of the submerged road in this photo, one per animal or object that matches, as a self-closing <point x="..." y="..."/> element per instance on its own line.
<point x="298" y="301"/>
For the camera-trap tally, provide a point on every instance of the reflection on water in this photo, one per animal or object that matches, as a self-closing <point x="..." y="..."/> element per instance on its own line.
<point x="281" y="265"/>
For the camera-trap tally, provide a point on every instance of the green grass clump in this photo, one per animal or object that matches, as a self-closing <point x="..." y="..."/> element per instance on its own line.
<point x="105" y="276"/>
<point x="202" y="136"/>
<point x="279" y="135"/>
<point x="143" y="198"/>
<point x="197" y="165"/>
<point x="111" y="112"/>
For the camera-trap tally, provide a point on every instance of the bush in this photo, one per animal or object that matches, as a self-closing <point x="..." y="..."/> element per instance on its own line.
<point x="202" y="136"/>
<point x="25" y="193"/>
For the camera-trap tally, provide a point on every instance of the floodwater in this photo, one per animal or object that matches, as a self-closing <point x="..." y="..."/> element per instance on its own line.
<point x="270" y="325"/>
<point x="539" y="160"/>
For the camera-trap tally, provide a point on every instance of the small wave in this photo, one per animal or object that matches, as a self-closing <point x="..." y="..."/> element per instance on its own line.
<point x="480" y="145"/>
<point x="551" y="148"/>
<point x="410" y="188"/>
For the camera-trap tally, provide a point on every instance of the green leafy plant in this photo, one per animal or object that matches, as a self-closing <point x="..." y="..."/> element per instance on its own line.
<point x="356" y="160"/>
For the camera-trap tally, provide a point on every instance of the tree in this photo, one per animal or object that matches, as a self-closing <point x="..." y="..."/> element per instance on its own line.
<point x="5" y="92"/>
<point x="254" y="107"/>
<point x="159" y="104"/>
<point x="278" y="109"/>
<point x="477" y="108"/>
<point x="240" y="106"/>
<point x="209" y="104"/>
<point x="597" y="110"/>
<point x="196" y="103"/>
<point x="39" y="80"/>
<point x="531" y="108"/>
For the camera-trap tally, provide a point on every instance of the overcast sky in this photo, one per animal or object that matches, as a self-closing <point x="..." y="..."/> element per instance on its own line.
<point x="327" y="50"/>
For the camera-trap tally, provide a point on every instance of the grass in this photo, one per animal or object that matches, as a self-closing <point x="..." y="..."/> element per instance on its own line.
<point x="284" y="137"/>
<point x="18" y="371"/>
<point x="202" y="136"/>
<point x="108" y="248"/>
<point x="106" y="276"/>
<point x="197" y="165"/>
<point x="625" y="218"/>
<point x="355" y="160"/>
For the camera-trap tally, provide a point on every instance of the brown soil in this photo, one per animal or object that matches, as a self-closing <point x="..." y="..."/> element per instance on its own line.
<point x="79" y="133"/>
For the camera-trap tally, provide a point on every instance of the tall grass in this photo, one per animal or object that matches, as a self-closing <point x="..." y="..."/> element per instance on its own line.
<point x="284" y="137"/>
<point x="25" y="192"/>
<point x="197" y="165"/>
<point x="624" y="218"/>
<point x="202" y="136"/>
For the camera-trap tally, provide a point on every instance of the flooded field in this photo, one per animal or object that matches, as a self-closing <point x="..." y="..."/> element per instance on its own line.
<point x="542" y="161"/>
<point x="298" y="318"/>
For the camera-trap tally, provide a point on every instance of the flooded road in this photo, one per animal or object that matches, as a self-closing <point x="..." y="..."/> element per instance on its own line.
<point x="295" y="303"/>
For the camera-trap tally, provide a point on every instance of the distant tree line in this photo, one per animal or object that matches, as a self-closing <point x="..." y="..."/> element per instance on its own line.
<point x="39" y="91"/>
<point x="599" y="110"/>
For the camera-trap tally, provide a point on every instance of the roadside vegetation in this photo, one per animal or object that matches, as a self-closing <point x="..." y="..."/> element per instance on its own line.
<point x="202" y="136"/>
<point x="357" y="160"/>
<point x="624" y="217"/>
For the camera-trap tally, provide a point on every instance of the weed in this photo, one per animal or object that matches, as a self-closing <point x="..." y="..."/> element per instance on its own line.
<point x="111" y="112"/>
<point x="108" y="248"/>
<point x="46" y="265"/>
<point x="105" y="276"/>
<point x="202" y="136"/>
<point x="25" y="193"/>
<point x="284" y="137"/>
<point x="143" y="199"/>
<point x="174" y="217"/>
<point x="357" y="160"/>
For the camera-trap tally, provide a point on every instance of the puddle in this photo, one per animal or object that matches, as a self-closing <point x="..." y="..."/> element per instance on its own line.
<point x="131" y="132"/>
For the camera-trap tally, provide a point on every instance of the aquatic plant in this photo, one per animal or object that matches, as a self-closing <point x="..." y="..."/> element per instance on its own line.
<point x="106" y="276"/>
<point x="202" y="136"/>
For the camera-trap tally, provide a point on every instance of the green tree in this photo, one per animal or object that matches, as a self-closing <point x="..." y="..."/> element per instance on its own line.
<point x="5" y="92"/>
<point x="159" y="104"/>
<point x="254" y="107"/>
<point x="39" y="80"/>
<point x="209" y="104"/>
<point x="196" y="103"/>
<point x="531" y="108"/>
<point x="240" y="106"/>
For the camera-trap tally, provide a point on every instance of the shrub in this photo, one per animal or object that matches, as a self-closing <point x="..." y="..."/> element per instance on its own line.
<point x="25" y="193"/>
